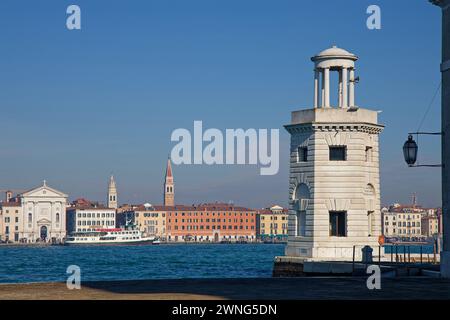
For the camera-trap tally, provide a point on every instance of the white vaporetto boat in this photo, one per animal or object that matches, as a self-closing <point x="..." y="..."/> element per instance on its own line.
<point x="109" y="237"/>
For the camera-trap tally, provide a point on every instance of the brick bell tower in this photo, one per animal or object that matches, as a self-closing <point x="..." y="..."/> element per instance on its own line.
<point x="334" y="194"/>
<point x="169" y="191"/>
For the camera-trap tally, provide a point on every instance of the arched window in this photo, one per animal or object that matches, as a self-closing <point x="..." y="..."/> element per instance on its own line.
<point x="369" y="194"/>
<point x="57" y="218"/>
<point x="301" y="197"/>
<point x="30" y="218"/>
<point x="302" y="192"/>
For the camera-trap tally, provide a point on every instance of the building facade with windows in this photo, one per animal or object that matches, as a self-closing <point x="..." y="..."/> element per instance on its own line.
<point x="35" y="215"/>
<point x="213" y="222"/>
<point x="273" y="224"/>
<point x="151" y="220"/>
<point x="409" y="224"/>
<point x="389" y="221"/>
<point x="410" y="221"/>
<point x="334" y="195"/>
<point x="11" y="225"/>
<point x="402" y="224"/>
<point x="430" y="226"/>
<point x="88" y="216"/>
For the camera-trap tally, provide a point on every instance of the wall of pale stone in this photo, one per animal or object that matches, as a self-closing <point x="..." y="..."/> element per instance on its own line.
<point x="335" y="186"/>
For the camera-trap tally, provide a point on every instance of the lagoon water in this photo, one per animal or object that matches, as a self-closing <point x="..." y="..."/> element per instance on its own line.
<point x="43" y="264"/>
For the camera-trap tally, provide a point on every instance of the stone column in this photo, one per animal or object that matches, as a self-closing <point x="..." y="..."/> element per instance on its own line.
<point x="445" y="118"/>
<point x="326" y="73"/>
<point x="344" y="88"/>
<point x="322" y="91"/>
<point x="340" y="89"/>
<point x="351" y="88"/>
<point x="316" y="88"/>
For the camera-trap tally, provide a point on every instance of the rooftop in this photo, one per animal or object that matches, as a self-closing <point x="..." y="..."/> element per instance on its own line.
<point x="198" y="207"/>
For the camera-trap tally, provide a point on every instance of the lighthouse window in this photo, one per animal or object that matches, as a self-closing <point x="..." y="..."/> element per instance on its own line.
<point x="338" y="153"/>
<point x="371" y="222"/>
<point x="338" y="223"/>
<point x="301" y="223"/>
<point x="368" y="154"/>
<point x="302" y="154"/>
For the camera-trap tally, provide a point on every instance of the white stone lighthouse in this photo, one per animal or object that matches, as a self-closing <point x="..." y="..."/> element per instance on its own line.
<point x="334" y="168"/>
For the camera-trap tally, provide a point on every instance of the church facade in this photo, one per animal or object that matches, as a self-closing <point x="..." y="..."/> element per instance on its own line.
<point x="35" y="215"/>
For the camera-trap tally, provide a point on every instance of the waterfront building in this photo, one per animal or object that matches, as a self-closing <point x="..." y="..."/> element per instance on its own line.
<point x="2" y="234"/>
<point x="409" y="224"/>
<point x="124" y="208"/>
<point x="430" y="226"/>
<point x="210" y="222"/>
<point x="169" y="186"/>
<point x="11" y="215"/>
<point x="112" y="193"/>
<point x="403" y="221"/>
<point x="334" y="194"/>
<point x="440" y="221"/>
<point x="389" y="222"/>
<point x="35" y="215"/>
<point x="151" y="220"/>
<point x="84" y="215"/>
<point x="410" y="221"/>
<point x="272" y="224"/>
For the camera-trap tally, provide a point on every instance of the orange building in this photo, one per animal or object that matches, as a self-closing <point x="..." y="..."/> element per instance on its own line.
<point x="211" y="223"/>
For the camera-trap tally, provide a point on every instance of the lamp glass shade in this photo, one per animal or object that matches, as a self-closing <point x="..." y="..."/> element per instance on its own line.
<point x="410" y="151"/>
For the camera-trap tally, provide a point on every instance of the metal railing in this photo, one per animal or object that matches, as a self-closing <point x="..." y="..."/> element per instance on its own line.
<point x="399" y="254"/>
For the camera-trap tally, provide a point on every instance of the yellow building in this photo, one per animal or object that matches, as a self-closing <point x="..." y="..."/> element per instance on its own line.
<point x="11" y="225"/>
<point x="273" y="224"/>
<point x="150" y="220"/>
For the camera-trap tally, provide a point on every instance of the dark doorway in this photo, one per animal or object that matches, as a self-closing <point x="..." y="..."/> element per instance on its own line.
<point x="43" y="233"/>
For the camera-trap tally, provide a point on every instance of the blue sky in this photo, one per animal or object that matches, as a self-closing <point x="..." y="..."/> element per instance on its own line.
<point x="78" y="105"/>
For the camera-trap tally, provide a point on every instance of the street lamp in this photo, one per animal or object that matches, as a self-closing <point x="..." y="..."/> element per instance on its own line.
<point x="410" y="151"/>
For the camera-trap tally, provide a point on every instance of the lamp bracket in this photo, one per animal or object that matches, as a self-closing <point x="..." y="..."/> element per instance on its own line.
<point x="427" y="133"/>
<point x="427" y="165"/>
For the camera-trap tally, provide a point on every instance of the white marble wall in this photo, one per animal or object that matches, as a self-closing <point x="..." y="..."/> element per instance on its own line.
<point x="335" y="185"/>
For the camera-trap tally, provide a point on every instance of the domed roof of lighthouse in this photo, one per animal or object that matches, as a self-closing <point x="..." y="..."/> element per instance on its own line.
<point x="334" y="57"/>
<point x="334" y="51"/>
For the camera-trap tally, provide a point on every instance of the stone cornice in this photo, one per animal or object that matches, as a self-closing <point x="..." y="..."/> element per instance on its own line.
<point x="347" y="127"/>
